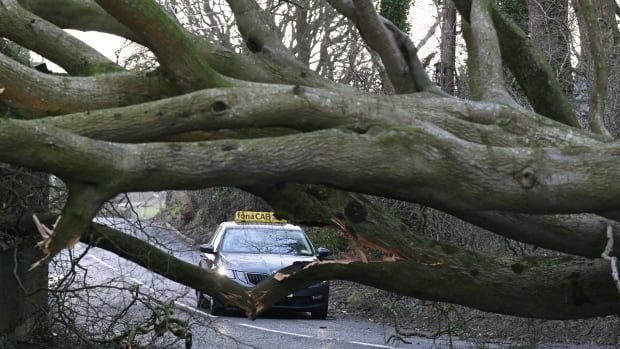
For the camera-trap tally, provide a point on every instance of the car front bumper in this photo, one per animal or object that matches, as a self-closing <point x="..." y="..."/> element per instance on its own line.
<point x="308" y="299"/>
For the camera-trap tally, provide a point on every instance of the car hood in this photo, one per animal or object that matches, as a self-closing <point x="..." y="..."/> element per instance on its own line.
<point x="260" y="263"/>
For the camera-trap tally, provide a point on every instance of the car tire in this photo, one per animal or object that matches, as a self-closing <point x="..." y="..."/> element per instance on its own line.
<point x="320" y="314"/>
<point x="201" y="301"/>
<point x="216" y="307"/>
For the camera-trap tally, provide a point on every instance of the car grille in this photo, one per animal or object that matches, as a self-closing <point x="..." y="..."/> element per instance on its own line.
<point x="255" y="278"/>
<point x="299" y="301"/>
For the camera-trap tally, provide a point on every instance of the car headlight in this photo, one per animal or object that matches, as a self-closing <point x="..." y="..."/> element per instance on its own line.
<point x="225" y="272"/>
<point x="239" y="275"/>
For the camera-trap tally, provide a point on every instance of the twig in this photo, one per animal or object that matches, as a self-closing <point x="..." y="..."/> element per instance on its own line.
<point x="613" y="260"/>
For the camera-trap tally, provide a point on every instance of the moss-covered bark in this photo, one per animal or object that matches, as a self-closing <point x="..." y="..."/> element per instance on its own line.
<point x="558" y="289"/>
<point x="54" y="94"/>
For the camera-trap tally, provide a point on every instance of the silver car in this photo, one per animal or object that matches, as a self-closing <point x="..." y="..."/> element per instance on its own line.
<point x="251" y="252"/>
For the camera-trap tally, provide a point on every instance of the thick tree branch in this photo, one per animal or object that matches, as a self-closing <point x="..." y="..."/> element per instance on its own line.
<point x="82" y="205"/>
<point x="174" y="49"/>
<point x="556" y="288"/>
<point x="37" y="34"/>
<point x="550" y="288"/>
<point x="316" y="110"/>
<point x="575" y="234"/>
<point x="316" y="205"/>
<point x="145" y="255"/>
<point x="54" y="94"/>
<point x="352" y="159"/>
<point x="467" y="173"/>
<point x="249" y="108"/>
<point x="215" y="109"/>
<point x="162" y="263"/>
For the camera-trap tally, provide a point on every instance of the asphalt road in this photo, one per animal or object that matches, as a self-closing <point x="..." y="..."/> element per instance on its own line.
<point x="118" y="280"/>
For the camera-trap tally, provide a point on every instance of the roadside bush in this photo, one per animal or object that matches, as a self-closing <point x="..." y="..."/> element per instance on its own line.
<point x="329" y="238"/>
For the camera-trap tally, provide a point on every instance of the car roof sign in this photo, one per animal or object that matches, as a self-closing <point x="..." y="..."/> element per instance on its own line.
<point x="257" y="217"/>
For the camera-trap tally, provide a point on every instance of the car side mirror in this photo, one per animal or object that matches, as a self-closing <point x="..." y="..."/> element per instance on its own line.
<point x="206" y="248"/>
<point x="322" y="252"/>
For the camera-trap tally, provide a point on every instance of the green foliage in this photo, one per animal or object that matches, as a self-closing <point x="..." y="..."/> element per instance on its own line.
<point x="102" y="69"/>
<point x="328" y="238"/>
<point x="175" y="209"/>
<point x="396" y="11"/>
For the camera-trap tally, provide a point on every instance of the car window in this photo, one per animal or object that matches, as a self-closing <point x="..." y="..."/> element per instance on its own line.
<point x="266" y="241"/>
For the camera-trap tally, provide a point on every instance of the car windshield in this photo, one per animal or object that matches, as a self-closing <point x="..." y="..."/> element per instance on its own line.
<point x="266" y="241"/>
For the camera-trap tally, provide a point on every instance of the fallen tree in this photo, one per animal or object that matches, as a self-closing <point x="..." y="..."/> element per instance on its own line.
<point x="267" y="123"/>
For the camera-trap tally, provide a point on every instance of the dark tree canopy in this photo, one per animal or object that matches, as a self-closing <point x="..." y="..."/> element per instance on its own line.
<point x="267" y="123"/>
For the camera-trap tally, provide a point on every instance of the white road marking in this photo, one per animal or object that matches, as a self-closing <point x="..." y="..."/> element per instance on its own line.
<point x="98" y="260"/>
<point x="152" y="290"/>
<point x="136" y="281"/>
<point x="274" y="331"/>
<point x="189" y="308"/>
<point x="371" y="345"/>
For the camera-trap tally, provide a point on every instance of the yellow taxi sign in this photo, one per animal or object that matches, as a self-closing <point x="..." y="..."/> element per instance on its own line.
<point x="257" y="217"/>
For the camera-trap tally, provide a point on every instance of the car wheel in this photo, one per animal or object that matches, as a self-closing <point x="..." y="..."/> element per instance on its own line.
<point x="320" y="314"/>
<point x="216" y="307"/>
<point x="201" y="301"/>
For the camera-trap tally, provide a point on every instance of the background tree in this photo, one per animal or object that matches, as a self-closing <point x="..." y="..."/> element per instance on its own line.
<point x="448" y="48"/>
<point x="550" y="29"/>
